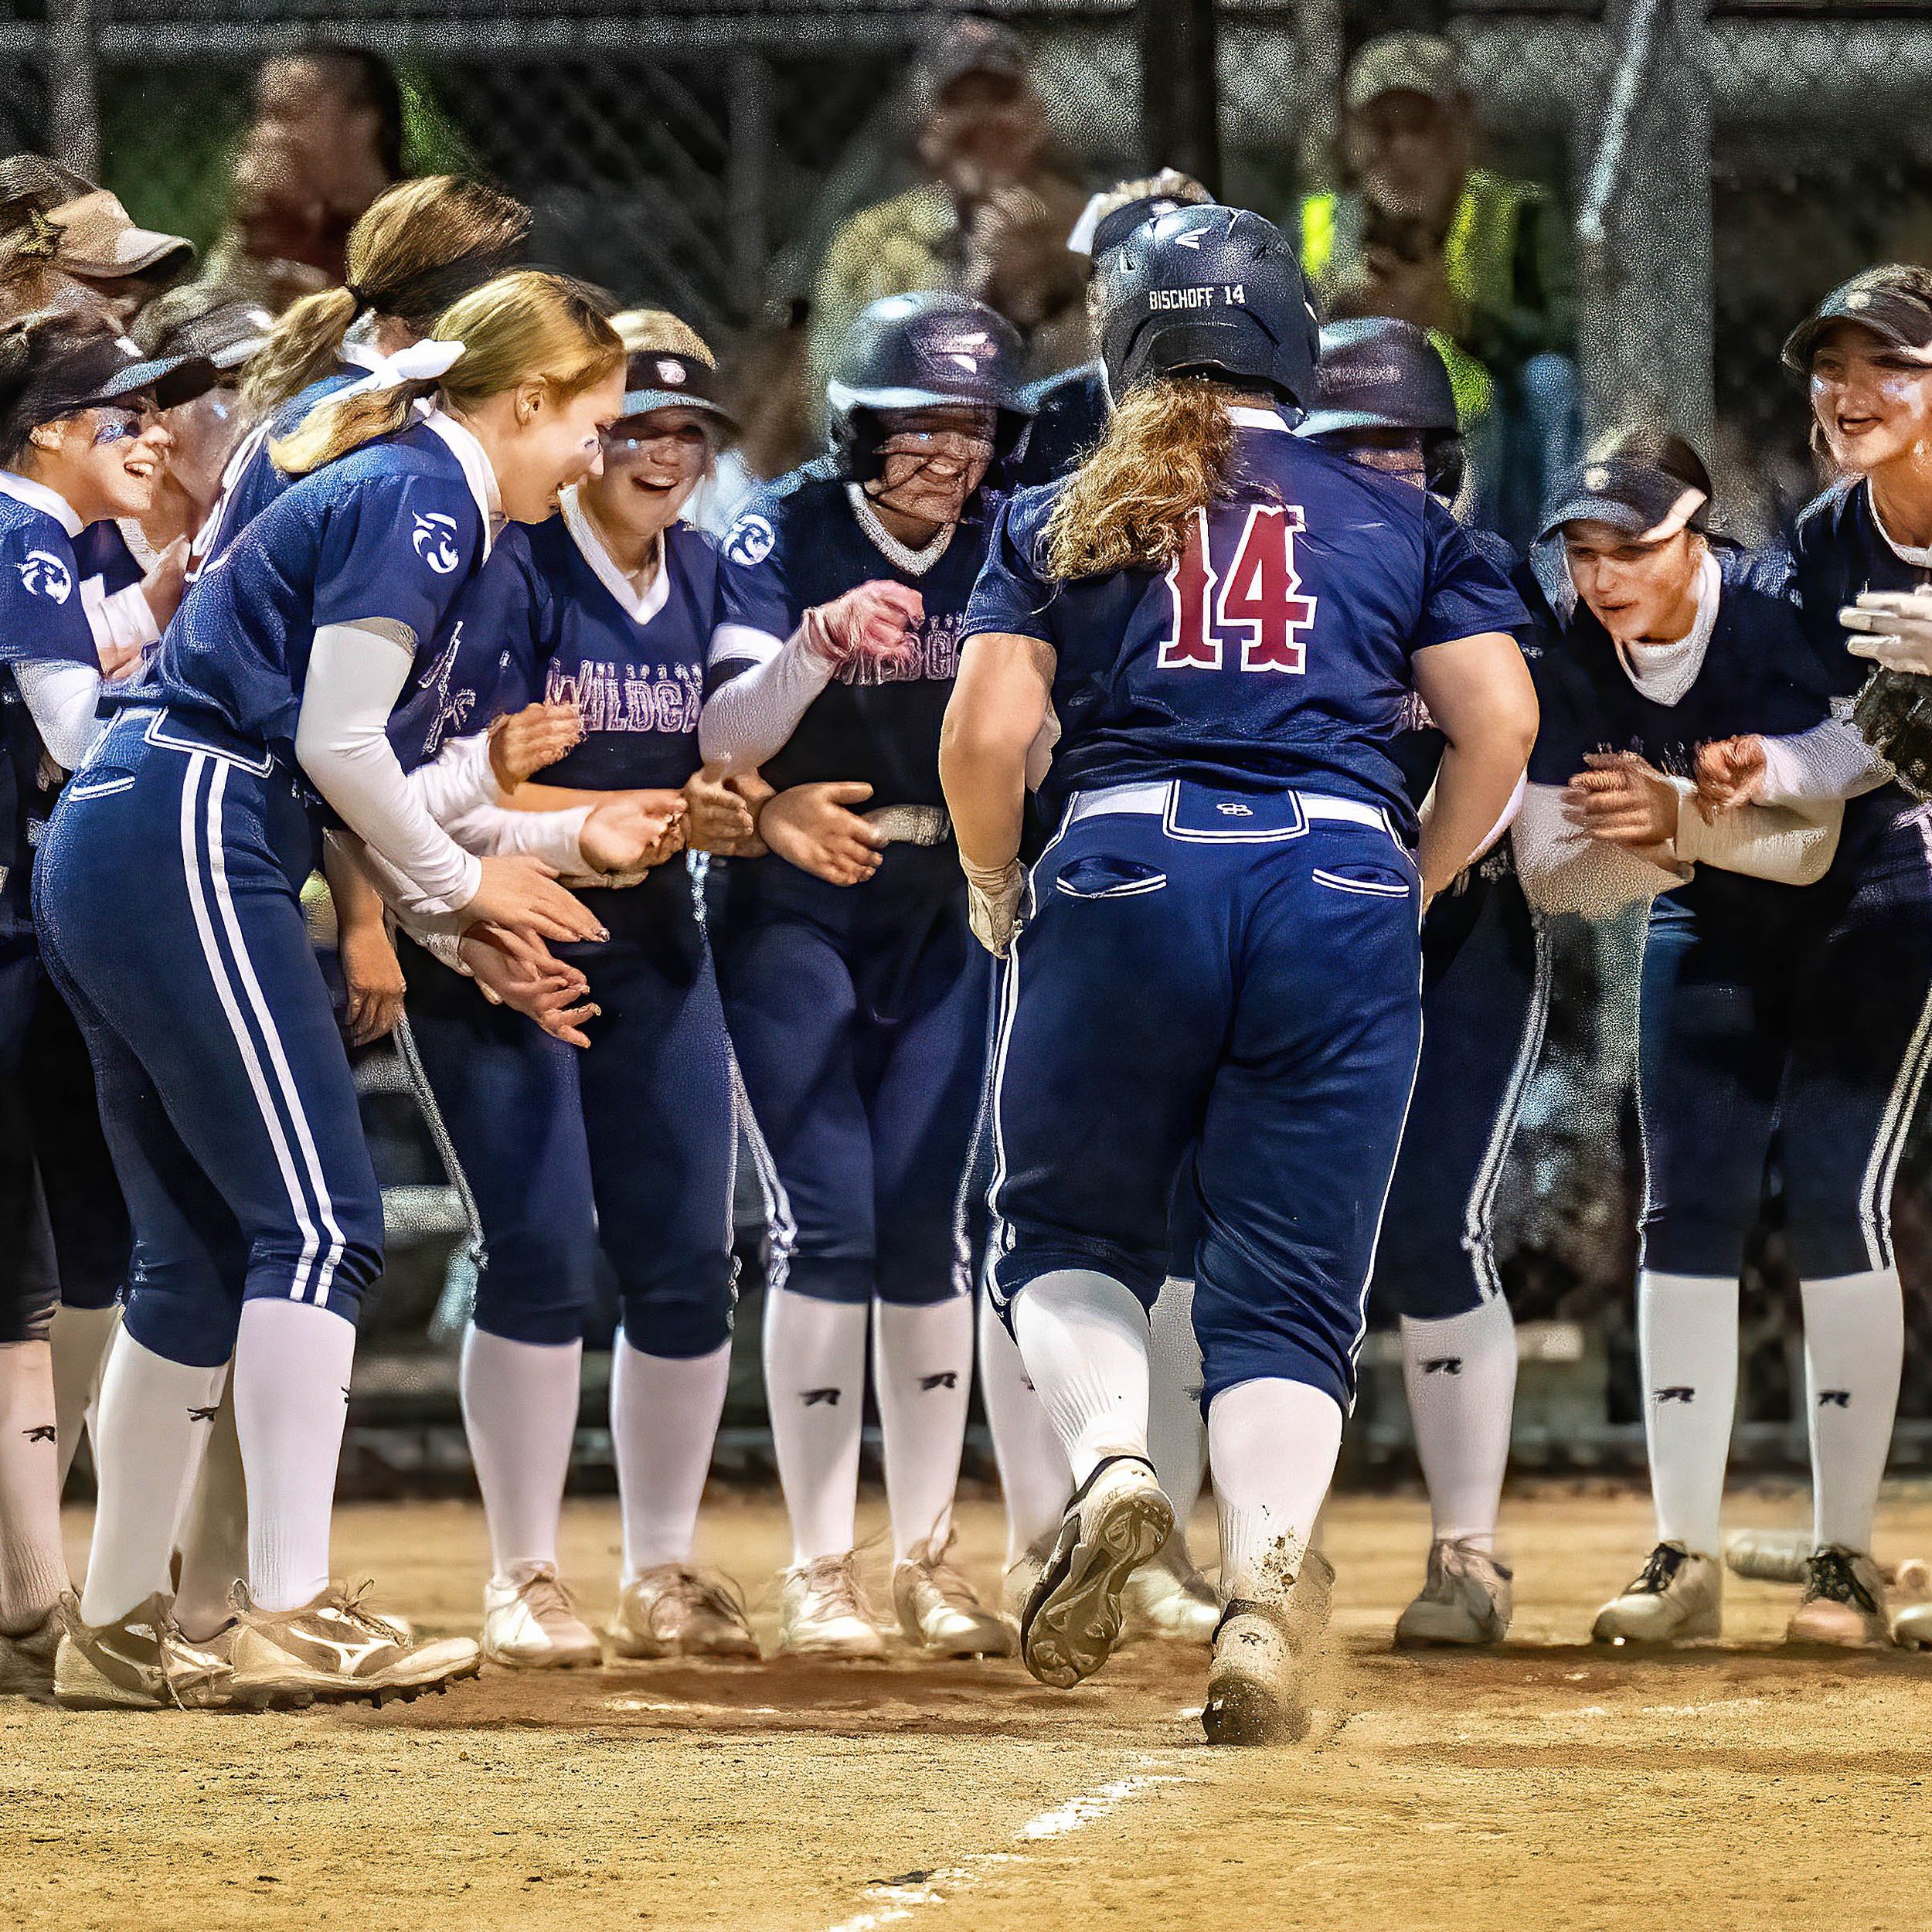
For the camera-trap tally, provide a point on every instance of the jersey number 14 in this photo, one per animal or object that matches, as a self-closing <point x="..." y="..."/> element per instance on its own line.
<point x="1255" y="599"/>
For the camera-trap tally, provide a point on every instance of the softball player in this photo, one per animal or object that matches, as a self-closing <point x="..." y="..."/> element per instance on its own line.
<point x="633" y="1143"/>
<point x="1220" y="945"/>
<point x="858" y="1012"/>
<point x="1385" y="402"/>
<point x="82" y="441"/>
<point x="1864" y="555"/>
<point x="166" y="896"/>
<point x="1680" y="641"/>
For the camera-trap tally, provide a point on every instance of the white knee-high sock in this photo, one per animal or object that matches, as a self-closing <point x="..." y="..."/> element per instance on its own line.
<point x="33" y="1570"/>
<point x="1084" y="1337"/>
<point x="1176" y="1434"/>
<point x="1033" y="1473"/>
<point x="1854" y="1350"/>
<point x="1461" y="1373"/>
<point x="81" y="1338"/>
<point x="922" y="1378"/>
<point x="664" y="1422"/>
<point x="213" y="1536"/>
<point x="150" y="1430"/>
<point x="1272" y="1444"/>
<point x="814" y="1354"/>
<point x="292" y="1363"/>
<point x="520" y="1414"/>
<point x="1687" y="1350"/>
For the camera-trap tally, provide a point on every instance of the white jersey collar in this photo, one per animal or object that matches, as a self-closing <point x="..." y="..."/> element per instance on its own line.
<point x="1245" y="418"/>
<point x="37" y="496"/>
<point x="1918" y="560"/>
<point x="476" y="471"/>
<point x="639" y="606"/>
<point x="915" y="563"/>
<point x="1664" y="672"/>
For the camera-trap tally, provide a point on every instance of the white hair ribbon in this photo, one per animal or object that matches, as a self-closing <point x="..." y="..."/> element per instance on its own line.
<point x="422" y="361"/>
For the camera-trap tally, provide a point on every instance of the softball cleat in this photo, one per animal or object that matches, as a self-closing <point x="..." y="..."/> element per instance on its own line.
<point x="1844" y="1602"/>
<point x="940" y="1611"/>
<point x="1264" y="1655"/>
<point x="824" y="1613"/>
<point x="672" y="1610"/>
<point x="1169" y="1601"/>
<point x="140" y="1663"/>
<point x="26" y="1658"/>
<point x="1769" y="1556"/>
<point x="1467" y="1597"/>
<point x="1117" y="1520"/>
<point x="336" y="1651"/>
<point x="1677" y="1598"/>
<point x="530" y="1623"/>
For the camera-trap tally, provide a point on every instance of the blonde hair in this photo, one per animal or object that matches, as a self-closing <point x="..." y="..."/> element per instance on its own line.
<point x="656" y="331"/>
<point x="1165" y="454"/>
<point x="416" y="250"/>
<point x="523" y="325"/>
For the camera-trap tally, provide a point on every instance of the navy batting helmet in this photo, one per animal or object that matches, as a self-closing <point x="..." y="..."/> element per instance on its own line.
<point x="1208" y="291"/>
<point x="1378" y="373"/>
<point x="924" y="352"/>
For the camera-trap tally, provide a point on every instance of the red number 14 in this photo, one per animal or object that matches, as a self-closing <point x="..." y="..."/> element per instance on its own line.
<point x="1258" y="596"/>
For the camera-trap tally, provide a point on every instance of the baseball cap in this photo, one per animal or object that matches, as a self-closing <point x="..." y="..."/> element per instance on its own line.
<point x="974" y="45"/>
<point x="1406" y="62"/>
<point x="1645" y="502"/>
<point x="66" y="369"/>
<point x="1377" y="372"/>
<point x="199" y="320"/>
<point x="98" y="238"/>
<point x="1893" y="300"/>
<point x="654" y="379"/>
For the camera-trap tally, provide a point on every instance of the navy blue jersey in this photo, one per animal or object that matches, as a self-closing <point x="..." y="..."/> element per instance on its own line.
<point x="1760" y="675"/>
<point x="1276" y="651"/>
<point x="1841" y="552"/>
<point x="634" y="667"/>
<point x="486" y="662"/>
<point x="251" y="481"/>
<point x="800" y="544"/>
<point x="103" y="553"/>
<point x="1070" y="417"/>
<point x="394" y="530"/>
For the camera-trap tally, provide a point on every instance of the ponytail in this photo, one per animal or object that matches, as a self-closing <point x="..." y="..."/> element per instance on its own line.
<point x="333" y="428"/>
<point x="1165" y="454"/>
<point x="304" y="346"/>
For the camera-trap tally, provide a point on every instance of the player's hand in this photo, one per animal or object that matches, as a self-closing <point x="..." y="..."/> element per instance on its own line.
<point x="1624" y="800"/>
<point x="521" y="894"/>
<point x="1892" y="627"/>
<point x="165" y="580"/>
<point x="1730" y="773"/>
<point x="719" y="817"/>
<point x="522" y="744"/>
<point x="992" y="904"/>
<point x="512" y="972"/>
<point x="633" y="831"/>
<point x="815" y="828"/>
<point x="373" y="975"/>
<point x="869" y="624"/>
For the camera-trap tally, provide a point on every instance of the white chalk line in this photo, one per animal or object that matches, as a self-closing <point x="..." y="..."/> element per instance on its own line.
<point x="894" y="1902"/>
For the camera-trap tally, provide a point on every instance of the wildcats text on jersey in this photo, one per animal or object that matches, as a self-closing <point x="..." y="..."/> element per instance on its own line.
<point x="613" y="697"/>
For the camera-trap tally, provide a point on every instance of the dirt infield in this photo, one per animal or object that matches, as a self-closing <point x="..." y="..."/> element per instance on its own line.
<point x="1546" y="1785"/>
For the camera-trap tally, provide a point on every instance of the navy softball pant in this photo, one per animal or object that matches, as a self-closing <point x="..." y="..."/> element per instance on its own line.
<point x="631" y="1143"/>
<point x="859" y="1017"/>
<point x="166" y="893"/>
<point x="1485" y="996"/>
<point x="1807" y="1029"/>
<point x="1256" y="990"/>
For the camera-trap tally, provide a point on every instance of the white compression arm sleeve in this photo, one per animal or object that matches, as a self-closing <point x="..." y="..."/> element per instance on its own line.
<point x="356" y="671"/>
<point x="1565" y="870"/>
<point x="61" y="698"/>
<point x="750" y="719"/>
<point x="1831" y="761"/>
<point x="458" y="789"/>
<point x="437" y="934"/>
<point x="125" y="620"/>
<point x="1793" y="845"/>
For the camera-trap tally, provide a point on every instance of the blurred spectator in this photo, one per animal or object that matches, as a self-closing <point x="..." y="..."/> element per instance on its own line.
<point x="991" y="220"/>
<point x="66" y="243"/>
<point x="1071" y="409"/>
<point x="1479" y="260"/>
<point x="325" y="141"/>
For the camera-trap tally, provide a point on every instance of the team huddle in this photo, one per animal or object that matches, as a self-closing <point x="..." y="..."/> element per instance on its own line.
<point x="1091" y="843"/>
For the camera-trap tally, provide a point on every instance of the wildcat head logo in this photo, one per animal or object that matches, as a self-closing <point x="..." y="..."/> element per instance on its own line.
<point x="435" y="541"/>
<point x="750" y="540"/>
<point x="44" y="575"/>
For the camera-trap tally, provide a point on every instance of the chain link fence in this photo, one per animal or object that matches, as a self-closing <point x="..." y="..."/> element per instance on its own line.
<point x="1742" y="158"/>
